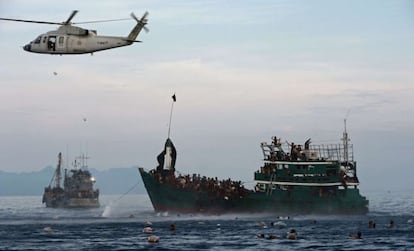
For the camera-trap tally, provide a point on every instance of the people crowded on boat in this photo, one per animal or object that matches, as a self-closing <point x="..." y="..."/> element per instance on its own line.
<point x="276" y="152"/>
<point x="226" y="189"/>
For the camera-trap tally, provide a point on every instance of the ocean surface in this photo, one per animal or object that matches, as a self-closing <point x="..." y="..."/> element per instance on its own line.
<point x="25" y="224"/>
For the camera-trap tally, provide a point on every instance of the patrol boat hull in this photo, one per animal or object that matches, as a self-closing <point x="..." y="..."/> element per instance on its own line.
<point x="55" y="199"/>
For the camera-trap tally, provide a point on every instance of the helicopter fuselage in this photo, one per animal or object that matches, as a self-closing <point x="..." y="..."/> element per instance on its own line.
<point x="74" y="40"/>
<point x="69" y="39"/>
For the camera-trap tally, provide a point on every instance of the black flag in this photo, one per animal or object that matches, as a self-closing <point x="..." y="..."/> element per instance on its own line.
<point x="174" y="98"/>
<point x="173" y="156"/>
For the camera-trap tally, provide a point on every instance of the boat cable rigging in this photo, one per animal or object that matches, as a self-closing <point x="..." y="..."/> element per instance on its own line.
<point x="120" y="197"/>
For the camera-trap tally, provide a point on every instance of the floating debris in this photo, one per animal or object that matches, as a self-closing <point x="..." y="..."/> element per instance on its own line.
<point x="153" y="239"/>
<point x="48" y="229"/>
<point x="147" y="230"/>
<point x="280" y="224"/>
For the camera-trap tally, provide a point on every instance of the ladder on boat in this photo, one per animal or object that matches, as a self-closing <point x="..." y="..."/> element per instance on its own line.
<point x="269" y="189"/>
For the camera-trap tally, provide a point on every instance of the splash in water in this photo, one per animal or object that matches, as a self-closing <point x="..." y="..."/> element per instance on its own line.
<point x="107" y="211"/>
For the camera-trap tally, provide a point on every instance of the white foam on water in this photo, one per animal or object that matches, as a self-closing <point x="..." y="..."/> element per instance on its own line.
<point x="107" y="211"/>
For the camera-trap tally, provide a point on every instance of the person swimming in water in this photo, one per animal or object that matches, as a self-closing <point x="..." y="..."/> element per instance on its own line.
<point x="260" y="236"/>
<point x="358" y="235"/>
<point x="292" y="235"/>
<point x="271" y="237"/>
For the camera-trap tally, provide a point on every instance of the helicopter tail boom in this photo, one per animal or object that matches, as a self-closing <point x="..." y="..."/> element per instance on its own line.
<point x="138" y="27"/>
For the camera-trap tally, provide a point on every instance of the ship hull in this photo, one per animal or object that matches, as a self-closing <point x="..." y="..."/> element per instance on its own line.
<point x="58" y="199"/>
<point x="302" y="200"/>
<point x="72" y="203"/>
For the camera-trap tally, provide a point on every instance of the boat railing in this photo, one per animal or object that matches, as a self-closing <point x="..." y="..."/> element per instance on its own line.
<point x="333" y="152"/>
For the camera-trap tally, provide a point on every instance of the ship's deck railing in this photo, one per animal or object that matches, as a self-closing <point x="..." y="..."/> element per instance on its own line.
<point x="334" y="152"/>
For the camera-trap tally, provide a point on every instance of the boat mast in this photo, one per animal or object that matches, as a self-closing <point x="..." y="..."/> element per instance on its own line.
<point x="345" y="140"/>
<point x="172" y="106"/>
<point x="83" y="161"/>
<point x="58" y="170"/>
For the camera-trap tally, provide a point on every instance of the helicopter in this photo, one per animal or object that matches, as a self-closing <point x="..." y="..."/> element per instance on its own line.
<point x="69" y="39"/>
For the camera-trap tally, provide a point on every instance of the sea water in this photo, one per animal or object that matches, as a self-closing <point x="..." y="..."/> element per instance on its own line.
<point x="25" y="224"/>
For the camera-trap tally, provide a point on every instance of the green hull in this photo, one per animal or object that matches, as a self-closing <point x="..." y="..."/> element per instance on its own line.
<point x="298" y="200"/>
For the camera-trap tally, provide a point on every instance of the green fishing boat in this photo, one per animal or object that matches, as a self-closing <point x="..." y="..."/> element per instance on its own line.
<point x="294" y="179"/>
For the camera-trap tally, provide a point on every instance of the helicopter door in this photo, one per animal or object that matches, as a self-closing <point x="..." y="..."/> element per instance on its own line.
<point x="51" y="43"/>
<point x="61" y="43"/>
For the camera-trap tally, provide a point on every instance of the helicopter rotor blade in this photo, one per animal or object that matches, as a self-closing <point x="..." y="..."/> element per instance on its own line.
<point x="144" y="17"/>
<point x="68" y="21"/>
<point x="134" y="17"/>
<point x="29" y="21"/>
<point x="143" y="20"/>
<point x="102" y="21"/>
<point x="70" y="17"/>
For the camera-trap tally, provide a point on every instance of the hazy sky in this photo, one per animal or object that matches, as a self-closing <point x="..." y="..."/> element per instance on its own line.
<point x="243" y="71"/>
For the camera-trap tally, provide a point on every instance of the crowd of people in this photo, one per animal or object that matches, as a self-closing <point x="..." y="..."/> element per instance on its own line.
<point x="227" y="189"/>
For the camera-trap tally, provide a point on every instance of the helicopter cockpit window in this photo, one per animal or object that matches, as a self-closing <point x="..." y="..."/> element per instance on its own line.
<point x="44" y="39"/>
<point x="37" y="41"/>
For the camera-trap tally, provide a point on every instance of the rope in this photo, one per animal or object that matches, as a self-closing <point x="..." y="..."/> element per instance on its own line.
<point x="120" y="197"/>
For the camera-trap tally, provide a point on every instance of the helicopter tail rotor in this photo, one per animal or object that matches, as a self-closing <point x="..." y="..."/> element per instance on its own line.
<point x="138" y="27"/>
<point x="142" y="21"/>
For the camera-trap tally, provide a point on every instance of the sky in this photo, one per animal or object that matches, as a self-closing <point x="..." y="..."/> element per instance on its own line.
<point x="242" y="72"/>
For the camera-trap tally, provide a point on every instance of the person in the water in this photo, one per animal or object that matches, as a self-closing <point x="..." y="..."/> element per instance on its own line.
<point x="358" y="235"/>
<point x="292" y="235"/>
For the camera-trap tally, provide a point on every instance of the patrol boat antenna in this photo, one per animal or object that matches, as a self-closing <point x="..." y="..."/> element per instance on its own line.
<point x="58" y="170"/>
<point x="345" y="141"/>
